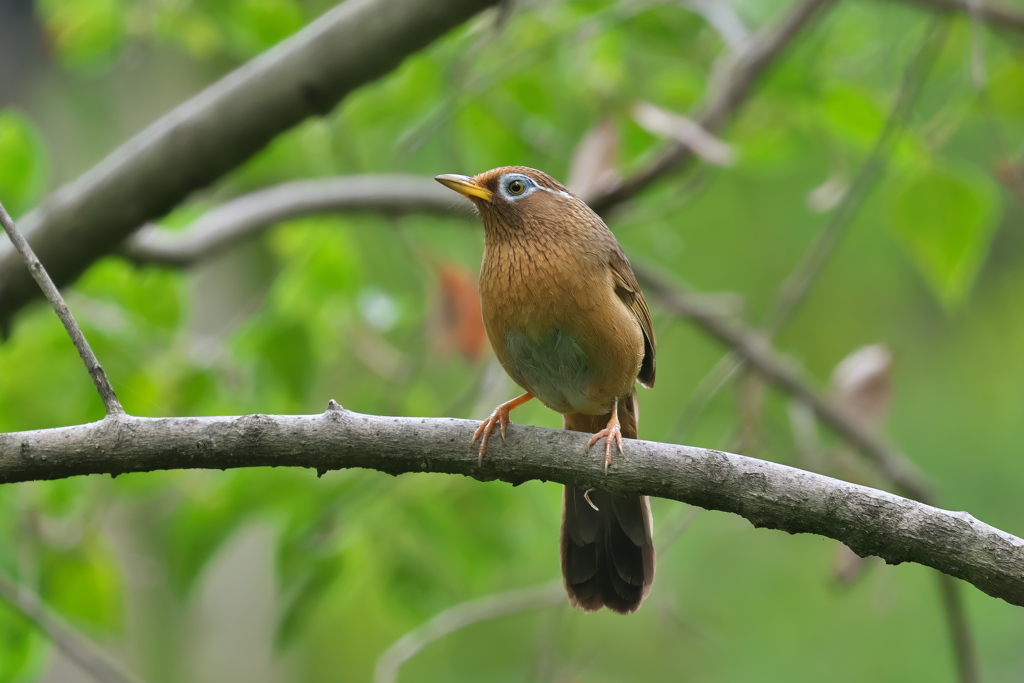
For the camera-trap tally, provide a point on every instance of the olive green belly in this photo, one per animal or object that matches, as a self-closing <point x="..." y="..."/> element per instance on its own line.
<point x="557" y="367"/>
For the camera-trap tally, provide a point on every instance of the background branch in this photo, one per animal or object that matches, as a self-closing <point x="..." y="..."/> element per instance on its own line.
<point x="75" y="646"/>
<point x="247" y="216"/>
<point x="550" y="594"/>
<point x="306" y="75"/>
<point x="220" y="229"/>
<point x="997" y="15"/>
<point x="796" y="287"/>
<point x="869" y="521"/>
<point x="758" y="351"/>
<point x="220" y="128"/>
<point x="729" y="89"/>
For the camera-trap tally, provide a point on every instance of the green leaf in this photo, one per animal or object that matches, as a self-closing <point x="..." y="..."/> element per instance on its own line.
<point x="255" y="25"/>
<point x="321" y="573"/>
<point x="1007" y="89"/>
<point x="84" y="584"/>
<point x="852" y="114"/>
<point x="85" y="32"/>
<point x="944" y="216"/>
<point x="196" y="31"/>
<point x="22" y="649"/>
<point x="24" y="171"/>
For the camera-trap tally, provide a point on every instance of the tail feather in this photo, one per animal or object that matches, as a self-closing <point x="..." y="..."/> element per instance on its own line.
<point x="607" y="553"/>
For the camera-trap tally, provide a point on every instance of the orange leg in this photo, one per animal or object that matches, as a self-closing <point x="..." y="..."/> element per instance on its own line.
<point x="499" y="418"/>
<point x="612" y="434"/>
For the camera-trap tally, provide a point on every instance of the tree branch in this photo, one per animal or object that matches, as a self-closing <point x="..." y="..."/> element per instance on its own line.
<point x="75" y="646"/>
<point x="247" y="216"/>
<point x="306" y="75"/>
<point x="92" y="365"/>
<point x="869" y="521"/>
<point x="243" y="217"/>
<point x="550" y="594"/>
<point x="220" y="128"/>
<point x="728" y="92"/>
<point x="997" y="15"/>
<point x="796" y="287"/>
<point x="758" y="351"/>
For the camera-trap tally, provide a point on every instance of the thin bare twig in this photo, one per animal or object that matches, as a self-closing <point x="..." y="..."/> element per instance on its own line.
<point x="99" y="378"/>
<point x="88" y="655"/>
<point x="550" y="594"/>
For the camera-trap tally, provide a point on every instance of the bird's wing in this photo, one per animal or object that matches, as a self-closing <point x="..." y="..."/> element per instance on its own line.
<point x="628" y="290"/>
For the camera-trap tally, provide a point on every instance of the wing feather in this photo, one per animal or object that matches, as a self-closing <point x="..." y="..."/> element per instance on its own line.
<point x="628" y="290"/>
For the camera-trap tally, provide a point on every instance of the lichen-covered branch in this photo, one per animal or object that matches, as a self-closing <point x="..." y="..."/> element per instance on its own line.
<point x="869" y="521"/>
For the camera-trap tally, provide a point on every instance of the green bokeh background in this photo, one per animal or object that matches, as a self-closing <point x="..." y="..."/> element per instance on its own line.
<point x="278" y="575"/>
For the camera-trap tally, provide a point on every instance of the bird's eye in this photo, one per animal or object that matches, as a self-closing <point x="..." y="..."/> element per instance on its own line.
<point x="516" y="186"/>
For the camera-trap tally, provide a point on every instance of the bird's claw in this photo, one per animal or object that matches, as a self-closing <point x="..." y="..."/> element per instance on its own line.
<point x="612" y="434"/>
<point x="500" y="419"/>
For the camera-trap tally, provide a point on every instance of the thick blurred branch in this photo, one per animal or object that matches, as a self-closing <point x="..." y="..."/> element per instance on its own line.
<point x="869" y="521"/>
<point x="307" y="75"/>
<point x="215" y="131"/>
<point x="75" y="646"/>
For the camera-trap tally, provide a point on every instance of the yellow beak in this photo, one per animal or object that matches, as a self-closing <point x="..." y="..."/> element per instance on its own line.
<point x="464" y="185"/>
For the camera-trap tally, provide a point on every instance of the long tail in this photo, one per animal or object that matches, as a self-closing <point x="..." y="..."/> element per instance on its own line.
<point x="607" y="553"/>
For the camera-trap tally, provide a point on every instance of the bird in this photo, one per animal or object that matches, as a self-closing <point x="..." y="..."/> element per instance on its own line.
<point x="568" y="323"/>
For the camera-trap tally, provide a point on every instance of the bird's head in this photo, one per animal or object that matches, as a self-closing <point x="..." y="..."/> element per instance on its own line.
<point x="517" y="199"/>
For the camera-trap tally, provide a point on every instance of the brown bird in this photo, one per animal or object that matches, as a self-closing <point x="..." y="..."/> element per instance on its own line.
<point x="567" y="320"/>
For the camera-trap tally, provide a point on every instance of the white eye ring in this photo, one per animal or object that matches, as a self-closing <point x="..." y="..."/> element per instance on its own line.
<point x="516" y="186"/>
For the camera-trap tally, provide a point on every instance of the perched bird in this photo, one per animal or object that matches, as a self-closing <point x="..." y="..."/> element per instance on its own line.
<point x="569" y="324"/>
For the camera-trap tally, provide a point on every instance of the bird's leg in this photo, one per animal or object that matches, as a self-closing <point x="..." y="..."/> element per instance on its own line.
<point x="612" y="434"/>
<point x="499" y="418"/>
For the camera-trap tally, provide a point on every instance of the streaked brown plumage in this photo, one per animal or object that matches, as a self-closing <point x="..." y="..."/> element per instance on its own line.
<point x="568" y="322"/>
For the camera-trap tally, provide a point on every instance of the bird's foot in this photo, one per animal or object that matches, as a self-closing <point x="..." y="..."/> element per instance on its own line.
<point x="612" y="434"/>
<point x="500" y="419"/>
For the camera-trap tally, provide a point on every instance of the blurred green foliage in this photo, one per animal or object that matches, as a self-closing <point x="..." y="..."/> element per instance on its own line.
<point x="345" y="307"/>
<point x="24" y="172"/>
